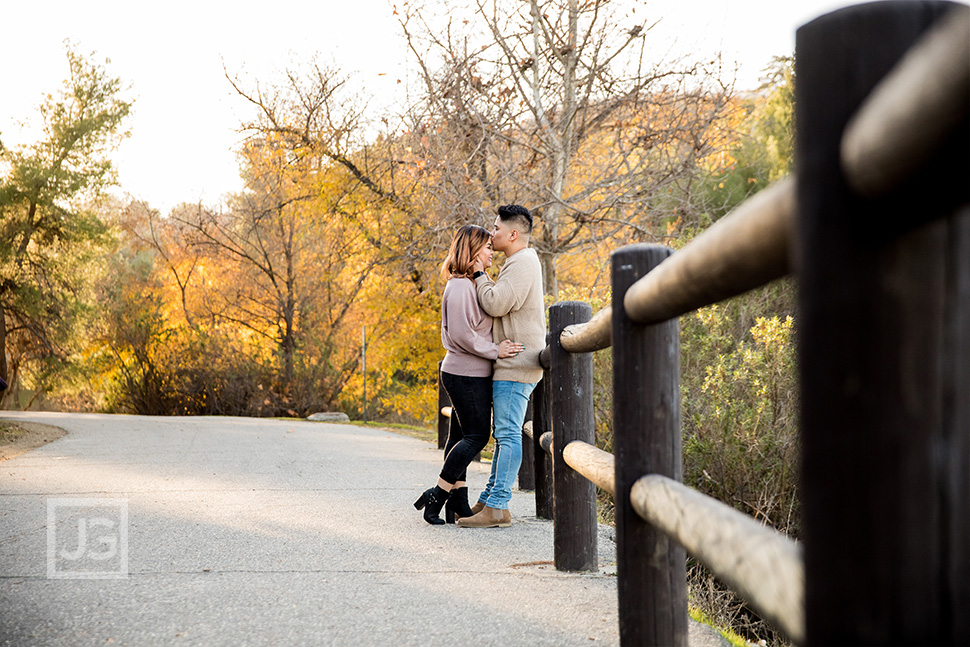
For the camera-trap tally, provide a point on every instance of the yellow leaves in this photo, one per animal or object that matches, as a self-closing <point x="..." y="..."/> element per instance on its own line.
<point x="417" y="403"/>
<point x="772" y="332"/>
<point x="673" y="226"/>
<point x="714" y="376"/>
<point x="710" y="316"/>
<point x="745" y="380"/>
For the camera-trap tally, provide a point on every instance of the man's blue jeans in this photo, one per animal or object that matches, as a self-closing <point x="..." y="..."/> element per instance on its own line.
<point x="509" y="403"/>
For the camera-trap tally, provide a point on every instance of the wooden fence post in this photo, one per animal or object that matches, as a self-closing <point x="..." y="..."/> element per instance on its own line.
<point x="527" y="470"/>
<point x="884" y="350"/>
<point x="541" y="423"/>
<point x="443" y="421"/>
<point x="575" y="525"/>
<point x="651" y="569"/>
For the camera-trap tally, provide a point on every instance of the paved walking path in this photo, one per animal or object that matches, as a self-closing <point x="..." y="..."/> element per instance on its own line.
<point x="243" y="531"/>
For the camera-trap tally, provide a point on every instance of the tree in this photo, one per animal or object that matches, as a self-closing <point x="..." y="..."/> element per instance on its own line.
<point x="773" y="130"/>
<point x="362" y="202"/>
<point x="761" y="147"/>
<point x="557" y="106"/>
<point x="277" y="273"/>
<point x="49" y="236"/>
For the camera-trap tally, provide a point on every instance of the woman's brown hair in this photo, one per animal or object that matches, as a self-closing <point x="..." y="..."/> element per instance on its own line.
<point x="465" y="246"/>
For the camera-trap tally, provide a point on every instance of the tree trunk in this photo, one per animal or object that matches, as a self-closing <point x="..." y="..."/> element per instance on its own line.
<point x="550" y="284"/>
<point x="289" y="314"/>
<point x="3" y="353"/>
<point x="11" y="397"/>
<point x="560" y="140"/>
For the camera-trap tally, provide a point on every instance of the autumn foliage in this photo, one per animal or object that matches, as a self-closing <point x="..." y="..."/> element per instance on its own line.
<point x="264" y="304"/>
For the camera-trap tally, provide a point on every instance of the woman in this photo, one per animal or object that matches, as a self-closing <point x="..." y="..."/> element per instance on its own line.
<point x="466" y="372"/>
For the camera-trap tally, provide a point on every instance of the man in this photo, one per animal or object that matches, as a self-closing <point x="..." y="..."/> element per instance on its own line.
<point x="514" y="299"/>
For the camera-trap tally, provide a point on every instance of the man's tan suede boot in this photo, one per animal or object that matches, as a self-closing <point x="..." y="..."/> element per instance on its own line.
<point x="477" y="507"/>
<point x="487" y="518"/>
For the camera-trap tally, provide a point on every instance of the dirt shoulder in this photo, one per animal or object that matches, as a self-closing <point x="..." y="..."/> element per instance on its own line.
<point x="18" y="438"/>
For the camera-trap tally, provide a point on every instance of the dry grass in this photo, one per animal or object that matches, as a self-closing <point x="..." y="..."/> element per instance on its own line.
<point x="18" y="438"/>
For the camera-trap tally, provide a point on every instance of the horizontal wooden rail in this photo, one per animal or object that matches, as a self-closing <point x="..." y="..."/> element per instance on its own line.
<point x="743" y="250"/>
<point x="901" y="124"/>
<point x="762" y="565"/>
<point x="545" y="441"/>
<point x="446" y="412"/>
<point x="912" y="111"/>
<point x="592" y="462"/>
<point x="595" y="334"/>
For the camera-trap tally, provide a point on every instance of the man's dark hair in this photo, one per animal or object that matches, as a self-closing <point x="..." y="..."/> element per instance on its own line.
<point x="516" y="214"/>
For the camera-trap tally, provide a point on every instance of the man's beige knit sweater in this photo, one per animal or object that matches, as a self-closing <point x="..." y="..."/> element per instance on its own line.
<point x="515" y="300"/>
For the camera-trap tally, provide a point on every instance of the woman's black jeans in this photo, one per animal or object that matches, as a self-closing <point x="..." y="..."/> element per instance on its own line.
<point x="470" y="425"/>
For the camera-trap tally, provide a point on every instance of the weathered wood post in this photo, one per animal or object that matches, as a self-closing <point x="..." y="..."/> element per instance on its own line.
<point x="541" y="423"/>
<point x="443" y="421"/>
<point x="575" y="525"/>
<point x="651" y="569"/>
<point x="527" y="470"/>
<point x="885" y="357"/>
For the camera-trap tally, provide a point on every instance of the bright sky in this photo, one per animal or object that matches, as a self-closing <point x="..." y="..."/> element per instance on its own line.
<point x="186" y="114"/>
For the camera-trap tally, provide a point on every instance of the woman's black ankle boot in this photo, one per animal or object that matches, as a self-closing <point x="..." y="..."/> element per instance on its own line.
<point x="457" y="505"/>
<point x="432" y="501"/>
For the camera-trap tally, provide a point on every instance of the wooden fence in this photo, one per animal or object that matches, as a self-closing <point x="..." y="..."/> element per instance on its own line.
<point x="876" y="228"/>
